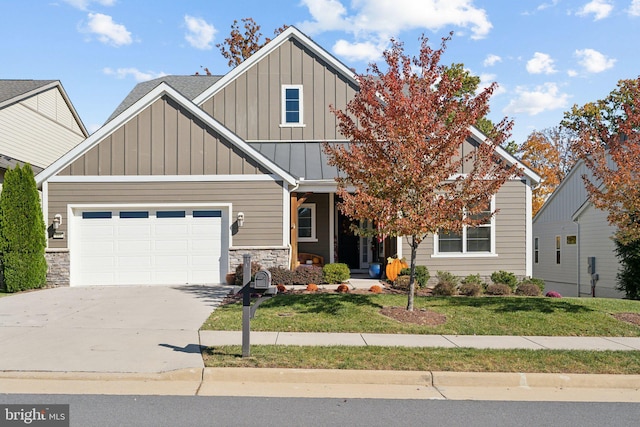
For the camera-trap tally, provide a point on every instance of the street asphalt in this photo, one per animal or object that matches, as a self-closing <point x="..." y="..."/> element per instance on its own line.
<point x="146" y="340"/>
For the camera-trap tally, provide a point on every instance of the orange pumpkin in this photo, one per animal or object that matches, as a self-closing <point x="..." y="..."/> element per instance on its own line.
<point x="394" y="266"/>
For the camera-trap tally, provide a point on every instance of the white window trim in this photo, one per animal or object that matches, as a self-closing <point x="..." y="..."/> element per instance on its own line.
<point x="464" y="253"/>
<point x="283" y="107"/>
<point x="313" y="238"/>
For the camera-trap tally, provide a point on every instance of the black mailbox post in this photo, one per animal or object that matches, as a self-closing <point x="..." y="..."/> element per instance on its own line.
<point x="262" y="286"/>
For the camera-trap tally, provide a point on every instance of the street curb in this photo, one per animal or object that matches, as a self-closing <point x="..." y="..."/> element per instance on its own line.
<point x="188" y="374"/>
<point x="546" y="380"/>
<point x="317" y="376"/>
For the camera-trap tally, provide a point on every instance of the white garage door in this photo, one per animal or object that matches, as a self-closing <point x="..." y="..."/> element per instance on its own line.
<point x="147" y="246"/>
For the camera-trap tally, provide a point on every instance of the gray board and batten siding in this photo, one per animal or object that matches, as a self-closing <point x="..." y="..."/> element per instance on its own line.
<point x="163" y="139"/>
<point x="250" y="105"/>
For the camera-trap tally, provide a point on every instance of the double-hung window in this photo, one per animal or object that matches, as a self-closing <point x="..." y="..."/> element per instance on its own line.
<point x="292" y="112"/>
<point x="476" y="240"/>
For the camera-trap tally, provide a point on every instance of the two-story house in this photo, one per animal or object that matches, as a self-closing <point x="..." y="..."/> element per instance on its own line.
<point x="192" y="172"/>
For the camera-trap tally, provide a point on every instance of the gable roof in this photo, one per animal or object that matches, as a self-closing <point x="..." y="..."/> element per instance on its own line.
<point x="188" y="86"/>
<point x="163" y="89"/>
<point x="13" y="91"/>
<point x="290" y="33"/>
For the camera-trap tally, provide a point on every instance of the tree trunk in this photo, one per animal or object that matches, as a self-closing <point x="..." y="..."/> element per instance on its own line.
<point x="412" y="277"/>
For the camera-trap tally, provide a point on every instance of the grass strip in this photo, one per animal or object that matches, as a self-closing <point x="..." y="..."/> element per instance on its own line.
<point x="427" y="359"/>
<point x="332" y="312"/>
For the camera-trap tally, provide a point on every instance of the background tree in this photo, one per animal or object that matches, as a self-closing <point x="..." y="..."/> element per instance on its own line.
<point x="22" y="232"/>
<point x="609" y="143"/>
<point x="238" y="47"/>
<point x="405" y="127"/>
<point x="548" y="152"/>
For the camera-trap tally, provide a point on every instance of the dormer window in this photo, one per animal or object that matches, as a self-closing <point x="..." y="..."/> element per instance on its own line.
<point x="292" y="105"/>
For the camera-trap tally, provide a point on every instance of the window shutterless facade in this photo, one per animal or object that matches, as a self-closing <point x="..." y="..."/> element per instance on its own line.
<point x="292" y="103"/>
<point x="469" y="241"/>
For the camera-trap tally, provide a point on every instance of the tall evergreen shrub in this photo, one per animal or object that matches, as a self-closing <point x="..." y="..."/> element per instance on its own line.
<point x="629" y="274"/>
<point x="22" y="232"/>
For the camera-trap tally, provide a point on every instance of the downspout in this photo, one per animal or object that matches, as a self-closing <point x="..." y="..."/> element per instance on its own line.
<point x="579" y="243"/>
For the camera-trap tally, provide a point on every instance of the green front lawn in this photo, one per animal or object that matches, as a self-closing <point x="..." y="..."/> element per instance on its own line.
<point x="332" y="312"/>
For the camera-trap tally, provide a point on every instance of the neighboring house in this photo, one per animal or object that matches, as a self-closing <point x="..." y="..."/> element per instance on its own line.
<point x="568" y="231"/>
<point x="38" y="123"/>
<point x="192" y="172"/>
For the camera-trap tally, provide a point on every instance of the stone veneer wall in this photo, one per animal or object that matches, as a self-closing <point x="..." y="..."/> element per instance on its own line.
<point x="58" y="267"/>
<point x="269" y="257"/>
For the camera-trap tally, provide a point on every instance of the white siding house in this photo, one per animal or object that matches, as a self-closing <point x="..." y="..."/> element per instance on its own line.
<point x="568" y="230"/>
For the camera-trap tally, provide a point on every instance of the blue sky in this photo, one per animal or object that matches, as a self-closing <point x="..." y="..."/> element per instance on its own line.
<point x="546" y="55"/>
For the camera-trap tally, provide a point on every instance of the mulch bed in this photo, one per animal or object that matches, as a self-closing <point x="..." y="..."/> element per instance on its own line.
<point x="633" y="318"/>
<point x="417" y="316"/>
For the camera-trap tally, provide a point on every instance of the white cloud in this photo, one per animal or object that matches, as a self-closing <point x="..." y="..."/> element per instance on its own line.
<point x="108" y="32"/>
<point x="138" y="75"/>
<point x="542" y="98"/>
<point x="544" y="6"/>
<point x="572" y="73"/>
<point x="541" y="63"/>
<point x="486" y="80"/>
<point x="491" y="60"/>
<point x="634" y="8"/>
<point x="600" y="9"/>
<point x="328" y="15"/>
<point x="594" y="61"/>
<point x="366" y="51"/>
<point x="200" y="34"/>
<point x="84" y="4"/>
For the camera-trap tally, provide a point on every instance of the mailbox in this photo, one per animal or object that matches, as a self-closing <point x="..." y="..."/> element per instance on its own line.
<point x="262" y="280"/>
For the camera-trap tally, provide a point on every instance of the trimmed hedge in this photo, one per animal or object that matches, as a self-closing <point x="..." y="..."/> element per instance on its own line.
<point x="336" y="273"/>
<point x="22" y="232"/>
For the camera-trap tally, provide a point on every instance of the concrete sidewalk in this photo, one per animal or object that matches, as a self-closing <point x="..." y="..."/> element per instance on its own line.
<point x="214" y="338"/>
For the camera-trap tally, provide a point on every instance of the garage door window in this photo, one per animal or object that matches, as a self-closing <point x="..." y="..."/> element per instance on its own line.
<point x="207" y="214"/>
<point x="170" y="214"/>
<point x="96" y="215"/>
<point x="134" y="214"/>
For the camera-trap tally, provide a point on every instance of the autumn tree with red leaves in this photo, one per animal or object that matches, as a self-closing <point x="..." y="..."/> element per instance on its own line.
<point x="402" y="167"/>
<point x="548" y="153"/>
<point x="238" y="47"/>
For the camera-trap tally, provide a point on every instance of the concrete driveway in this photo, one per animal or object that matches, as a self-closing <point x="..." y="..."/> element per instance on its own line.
<point x="105" y="329"/>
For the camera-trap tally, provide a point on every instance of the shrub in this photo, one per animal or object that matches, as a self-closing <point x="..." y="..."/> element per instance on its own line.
<point x="628" y="277"/>
<point x="402" y="283"/>
<point x="534" y="281"/>
<point x="376" y="289"/>
<point x="505" y="278"/>
<point x="422" y="275"/>
<point x="470" y="289"/>
<point x="22" y="232"/>
<point x="312" y="287"/>
<point x="528" y="289"/>
<point x="498" y="289"/>
<point x="255" y="267"/>
<point x="281" y="275"/>
<point x="336" y="273"/>
<point x="553" y="294"/>
<point x="447" y="284"/>
<point x="342" y="288"/>
<point x="306" y="274"/>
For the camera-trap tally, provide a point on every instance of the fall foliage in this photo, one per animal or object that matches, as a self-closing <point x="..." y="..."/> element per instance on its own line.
<point x="609" y="144"/>
<point x="238" y="47"/>
<point x="547" y="152"/>
<point x="403" y="164"/>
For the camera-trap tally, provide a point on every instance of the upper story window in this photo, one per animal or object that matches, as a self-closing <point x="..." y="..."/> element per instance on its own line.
<point x="470" y="240"/>
<point x="536" y="250"/>
<point x="292" y="105"/>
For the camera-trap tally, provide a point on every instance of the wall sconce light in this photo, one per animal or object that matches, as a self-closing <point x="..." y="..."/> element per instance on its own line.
<point x="240" y="219"/>
<point x="57" y="220"/>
